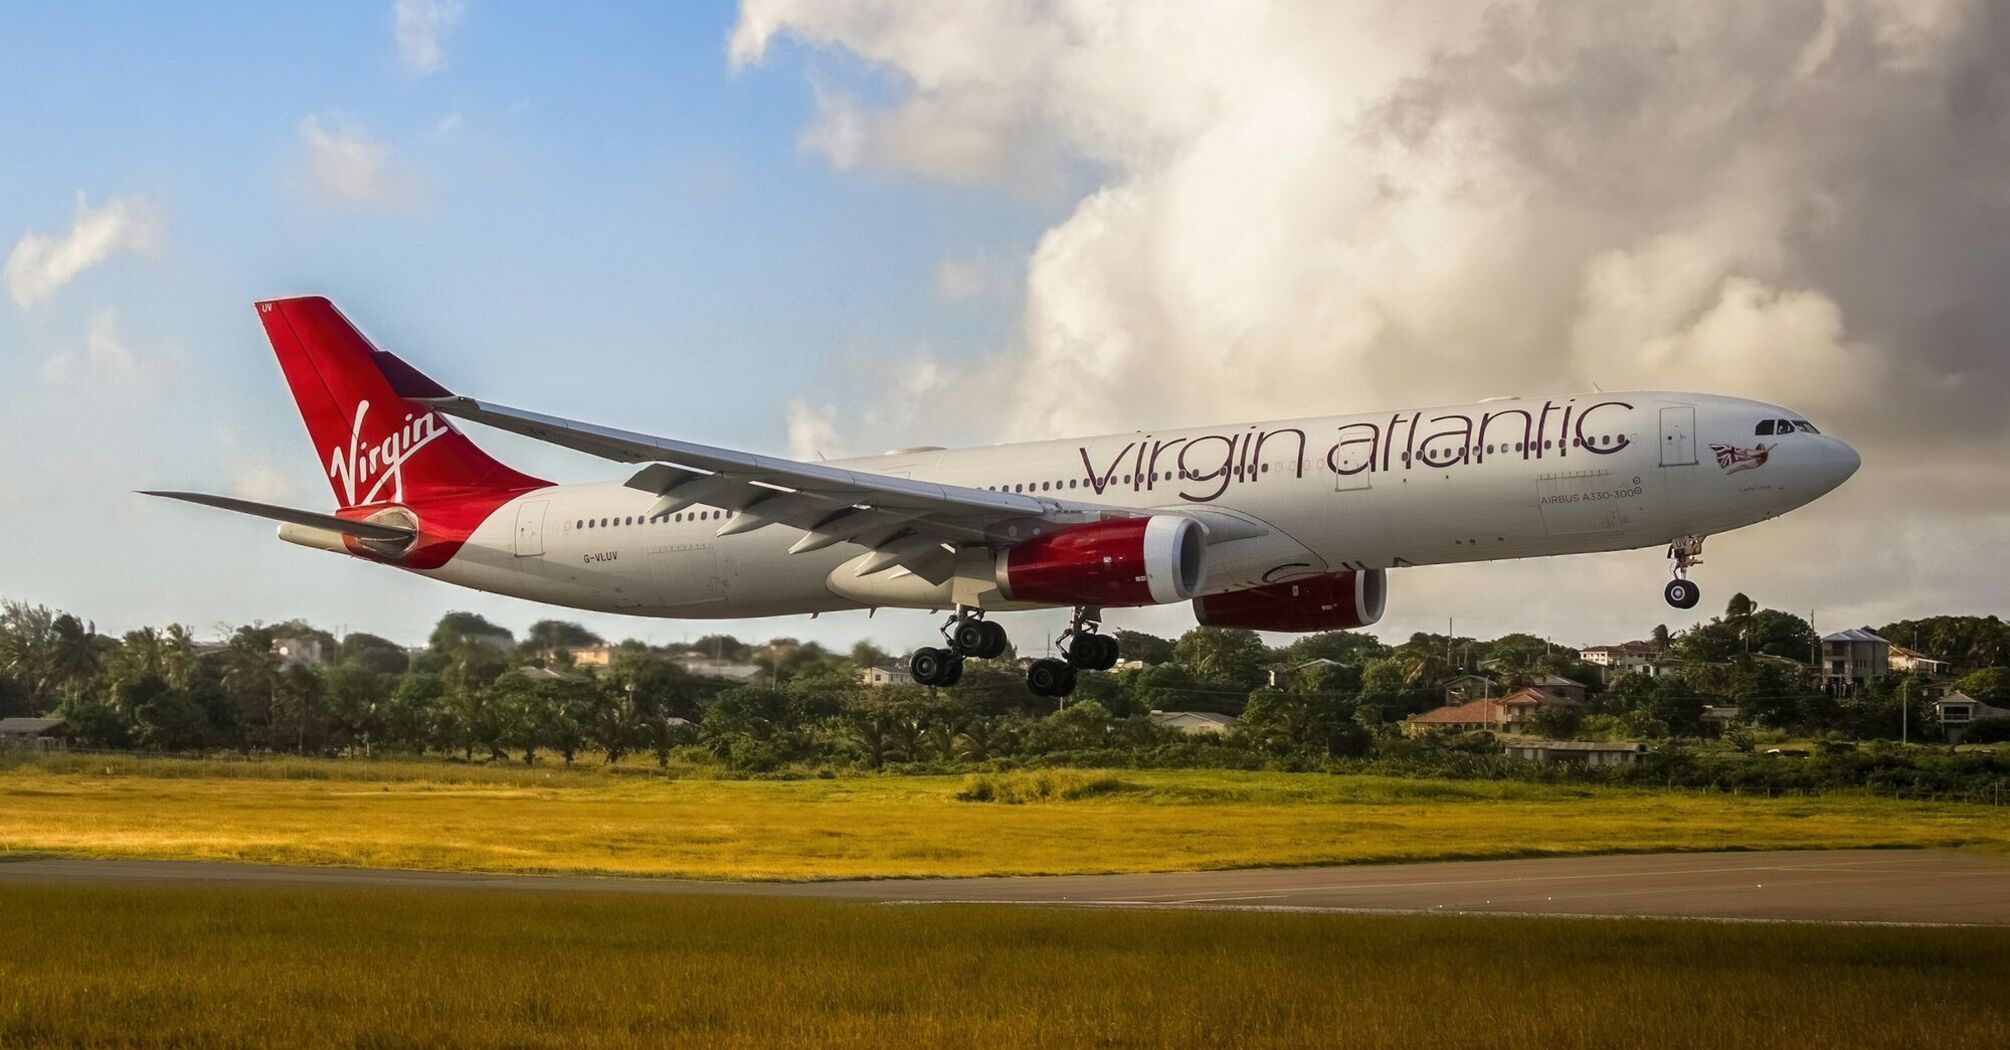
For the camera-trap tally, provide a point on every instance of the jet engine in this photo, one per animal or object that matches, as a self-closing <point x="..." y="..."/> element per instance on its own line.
<point x="1119" y="561"/>
<point x="1333" y="602"/>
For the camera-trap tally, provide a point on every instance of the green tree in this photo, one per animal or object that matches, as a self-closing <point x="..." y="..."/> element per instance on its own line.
<point x="251" y="676"/>
<point x="557" y="634"/>
<point x="163" y="718"/>
<point x="358" y="701"/>
<point x="1077" y="727"/>
<point x="369" y="652"/>
<point x="1144" y="648"/>
<point x="457" y="629"/>
<point x="1223" y="655"/>
<point x="1991" y="685"/>
<point x="1346" y="647"/>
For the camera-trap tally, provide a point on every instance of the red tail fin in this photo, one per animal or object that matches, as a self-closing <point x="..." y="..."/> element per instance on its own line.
<point x="375" y="446"/>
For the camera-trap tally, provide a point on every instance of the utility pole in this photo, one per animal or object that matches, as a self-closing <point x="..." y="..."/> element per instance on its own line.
<point x="1905" y="711"/>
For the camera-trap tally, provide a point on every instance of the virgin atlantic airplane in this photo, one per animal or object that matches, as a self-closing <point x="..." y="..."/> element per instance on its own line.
<point x="1289" y="525"/>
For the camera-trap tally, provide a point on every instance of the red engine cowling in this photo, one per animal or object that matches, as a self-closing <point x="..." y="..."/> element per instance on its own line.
<point x="1122" y="561"/>
<point x="1334" y="602"/>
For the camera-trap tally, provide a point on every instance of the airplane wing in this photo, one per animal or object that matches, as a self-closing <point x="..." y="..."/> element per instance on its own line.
<point x="912" y="524"/>
<point x="362" y="530"/>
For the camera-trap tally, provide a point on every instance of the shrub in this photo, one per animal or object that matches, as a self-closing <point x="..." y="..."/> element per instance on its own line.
<point x="1046" y="785"/>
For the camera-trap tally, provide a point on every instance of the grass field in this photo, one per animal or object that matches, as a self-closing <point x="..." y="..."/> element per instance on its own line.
<point x="436" y="816"/>
<point x="371" y="968"/>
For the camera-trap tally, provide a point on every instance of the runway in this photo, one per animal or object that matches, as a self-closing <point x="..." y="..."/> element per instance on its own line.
<point x="1938" y="887"/>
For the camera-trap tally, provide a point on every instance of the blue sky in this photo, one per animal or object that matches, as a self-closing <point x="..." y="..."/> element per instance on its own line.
<point x="597" y="217"/>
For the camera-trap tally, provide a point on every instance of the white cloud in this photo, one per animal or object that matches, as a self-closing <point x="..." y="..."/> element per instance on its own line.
<point x="261" y="482"/>
<point x="961" y="279"/>
<point x="1299" y="208"/>
<point x="422" y="27"/>
<point x="42" y="263"/>
<point x="347" y="167"/>
<point x="104" y="357"/>
<point x="810" y="430"/>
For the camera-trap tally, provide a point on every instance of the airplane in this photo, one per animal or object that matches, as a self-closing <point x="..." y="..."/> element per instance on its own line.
<point x="1287" y="525"/>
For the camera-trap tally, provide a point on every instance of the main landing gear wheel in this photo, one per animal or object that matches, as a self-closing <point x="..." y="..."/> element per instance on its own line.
<point x="935" y="667"/>
<point x="1093" y="652"/>
<point x="1682" y="594"/>
<point x="1050" y="678"/>
<point x="979" y="638"/>
<point x="970" y="635"/>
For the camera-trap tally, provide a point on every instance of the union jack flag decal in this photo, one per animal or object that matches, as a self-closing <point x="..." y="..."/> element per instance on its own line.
<point x="1734" y="459"/>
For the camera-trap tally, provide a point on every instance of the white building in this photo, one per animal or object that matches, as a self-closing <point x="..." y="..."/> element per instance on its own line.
<point x="1906" y="660"/>
<point x="1194" y="723"/>
<point x="885" y="676"/>
<point x="299" y="652"/>
<point x="1959" y="712"/>
<point x="1625" y="658"/>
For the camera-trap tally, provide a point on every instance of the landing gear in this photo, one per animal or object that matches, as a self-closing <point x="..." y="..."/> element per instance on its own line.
<point x="932" y="666"/>
<point x="1084" y="650"/>
<point x="1685" y="551"/>
<point x="969" y="634"/>
<point x="1050" y="678"/>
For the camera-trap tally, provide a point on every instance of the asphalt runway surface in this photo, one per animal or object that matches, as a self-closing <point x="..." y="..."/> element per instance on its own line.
<point x="1937" y="887"/>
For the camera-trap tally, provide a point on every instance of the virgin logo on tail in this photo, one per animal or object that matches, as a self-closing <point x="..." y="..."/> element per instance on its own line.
<point x="384" y="461"/>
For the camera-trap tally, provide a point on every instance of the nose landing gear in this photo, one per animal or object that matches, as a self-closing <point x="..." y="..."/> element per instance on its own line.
<point x="1680" y="592"/>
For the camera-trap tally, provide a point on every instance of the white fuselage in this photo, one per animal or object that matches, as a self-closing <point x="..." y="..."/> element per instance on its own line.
<point x="1508" y="478"/>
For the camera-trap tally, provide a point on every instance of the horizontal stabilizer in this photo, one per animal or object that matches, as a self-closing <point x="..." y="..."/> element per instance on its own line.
<point x="362" y="530"/>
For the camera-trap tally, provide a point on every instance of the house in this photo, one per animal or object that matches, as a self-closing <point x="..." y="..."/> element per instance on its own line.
<point x="1468" y="687"/>
<point x="1958" y="713"/>
<point x="304" y="651"/>
<point x="891" y="675"/>
<point x="578" y="656"/>
<point x="1507" y="714"/>
<point x="1720" y="715"/>
<point x="1194" y="723"/>
<point x="1558" y="686"/>
<point x="1576" y="752"/>
<point x="730" y="670"/>
<point x="1624" y="658"/>
<point x="1281" y="674"/>
<point x="1908" y="661"/>
<point x="33" y="734"/>
<point x="1853" y="657"/>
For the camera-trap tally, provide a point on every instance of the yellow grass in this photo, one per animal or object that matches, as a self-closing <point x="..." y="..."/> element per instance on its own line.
<point x="860" y="827"/>
<point x="374" y="968"/>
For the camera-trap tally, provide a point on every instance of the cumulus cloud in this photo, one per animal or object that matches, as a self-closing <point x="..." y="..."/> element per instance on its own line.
<point x="103" y="357"/>
<point x="42" y="263"/>
<point x="1311" y="207"/>
<point x="347" y="167"/>
<point x="422" y="28"/>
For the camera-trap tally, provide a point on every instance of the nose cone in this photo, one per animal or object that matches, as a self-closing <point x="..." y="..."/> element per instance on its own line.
<point x="1838" y="462"/>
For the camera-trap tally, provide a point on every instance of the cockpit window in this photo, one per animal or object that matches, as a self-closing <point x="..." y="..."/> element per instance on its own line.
<point x="1765" y="427"/>
<point x="1806" y="426"/>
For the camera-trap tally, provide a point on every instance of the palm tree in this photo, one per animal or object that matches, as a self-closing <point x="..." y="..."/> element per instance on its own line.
<point x="252" y="674"/>
<point x="73" y="653"/>
<point x="1422" y="662"/>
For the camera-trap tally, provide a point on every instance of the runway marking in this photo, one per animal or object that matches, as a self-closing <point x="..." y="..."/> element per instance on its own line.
<point x="1436" y="911"/>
